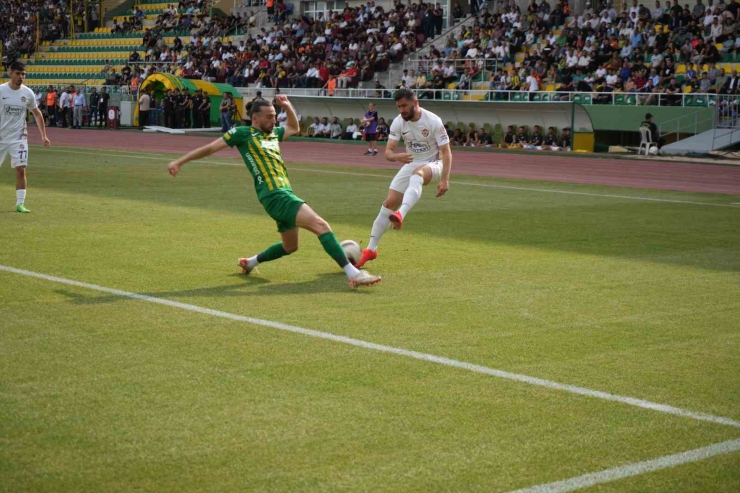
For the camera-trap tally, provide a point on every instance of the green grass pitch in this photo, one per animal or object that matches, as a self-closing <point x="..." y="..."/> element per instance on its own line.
<point x="103" y="393"/>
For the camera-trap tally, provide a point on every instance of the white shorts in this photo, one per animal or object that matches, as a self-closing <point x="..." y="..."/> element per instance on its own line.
<point x="401" y="181"/>
<point x="18" y="153"/>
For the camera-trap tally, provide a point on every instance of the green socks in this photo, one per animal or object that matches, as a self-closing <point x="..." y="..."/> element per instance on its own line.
<point x="276" y="251"/>
<point x="328" y="241"/>
<point x="333" y="248"/>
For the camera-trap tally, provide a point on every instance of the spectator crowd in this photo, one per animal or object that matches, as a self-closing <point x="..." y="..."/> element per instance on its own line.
<point x="660" y="52"/>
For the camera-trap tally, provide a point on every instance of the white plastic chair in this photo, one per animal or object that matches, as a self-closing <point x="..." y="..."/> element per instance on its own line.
<point x="646" y="140"/>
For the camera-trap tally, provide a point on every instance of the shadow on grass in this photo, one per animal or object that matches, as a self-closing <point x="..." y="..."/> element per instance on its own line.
<point x="251" y="286"/>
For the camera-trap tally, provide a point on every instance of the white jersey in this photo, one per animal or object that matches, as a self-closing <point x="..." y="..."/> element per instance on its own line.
<point x="13" y="106"/>
<point x="422" y="137"/>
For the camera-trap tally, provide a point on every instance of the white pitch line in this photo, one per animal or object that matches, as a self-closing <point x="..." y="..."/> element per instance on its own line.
<point x="635" y="469"/>
<point x="549" y="384"/>
<point x="734" y="205"/>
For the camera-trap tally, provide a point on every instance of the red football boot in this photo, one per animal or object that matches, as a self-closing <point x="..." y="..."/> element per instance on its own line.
<point x="367" y="255"/>
<point x="396" y="220"/>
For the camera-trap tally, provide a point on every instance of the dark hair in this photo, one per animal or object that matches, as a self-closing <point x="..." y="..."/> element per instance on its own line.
<point x="404" y="94"/>
<point x="258" y="105"/>
<point x="17" y="66"/>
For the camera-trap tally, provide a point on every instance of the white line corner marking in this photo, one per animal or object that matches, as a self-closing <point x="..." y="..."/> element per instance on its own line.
<point x="632" y="401"/>
<point x="629" y="470"/>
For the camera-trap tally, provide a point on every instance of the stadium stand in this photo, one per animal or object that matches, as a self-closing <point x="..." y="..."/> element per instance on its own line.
<point x="638" y="55"/>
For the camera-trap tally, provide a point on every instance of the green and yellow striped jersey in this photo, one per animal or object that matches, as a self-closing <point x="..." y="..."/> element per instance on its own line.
<point x="261" y="154"/>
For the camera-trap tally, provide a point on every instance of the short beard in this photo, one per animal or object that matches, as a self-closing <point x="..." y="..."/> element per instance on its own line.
<point x="413" y="115"/>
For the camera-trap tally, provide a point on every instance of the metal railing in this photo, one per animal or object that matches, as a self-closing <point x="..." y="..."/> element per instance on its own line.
<point x="425" y="66"/>
<point x="696" y="100"/>
<point x="671" y="130"/>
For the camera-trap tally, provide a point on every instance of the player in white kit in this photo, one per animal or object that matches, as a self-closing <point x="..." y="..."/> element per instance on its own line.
<point x="16" y="100"/>
<point x="427" y="159"/>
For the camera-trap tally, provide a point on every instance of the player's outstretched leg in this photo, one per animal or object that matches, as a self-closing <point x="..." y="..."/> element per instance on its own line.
<point x="308" y="219"/>
<point x="20" y="189"/>
<point x="273" y="252"/>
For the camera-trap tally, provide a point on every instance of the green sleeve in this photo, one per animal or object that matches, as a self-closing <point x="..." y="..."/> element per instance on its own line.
<point x="237" y="136"/>
<point x="280" y="132"/>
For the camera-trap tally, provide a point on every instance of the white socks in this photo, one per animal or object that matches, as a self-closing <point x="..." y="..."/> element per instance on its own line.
<point x="380" y="226"/>
<point x="20" y="197"/>
<point x="351" y="271"/>
<point x="252" y="262"/>
<point x="412" y="194"/>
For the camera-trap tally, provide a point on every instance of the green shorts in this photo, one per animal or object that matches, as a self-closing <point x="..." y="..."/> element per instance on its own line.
<point x="282" y="206"/>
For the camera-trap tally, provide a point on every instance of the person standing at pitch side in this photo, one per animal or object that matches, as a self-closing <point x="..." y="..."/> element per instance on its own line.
<point x="427" y="159"/>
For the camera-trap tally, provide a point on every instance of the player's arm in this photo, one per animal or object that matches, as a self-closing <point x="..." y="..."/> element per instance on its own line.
<point x="292" y="126"/>
<point x="39" y="117"/>
<point x="198" y="153"/>
<point x="444" y="182"/>
<point x="394" y="137"/>
<point x="392" y="155"/>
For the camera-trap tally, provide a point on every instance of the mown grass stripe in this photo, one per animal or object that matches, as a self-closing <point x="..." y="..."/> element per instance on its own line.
<point x="549" y="384"/>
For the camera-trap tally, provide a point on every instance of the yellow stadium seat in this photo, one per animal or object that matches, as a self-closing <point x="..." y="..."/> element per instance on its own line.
<point x="681" y="68"/>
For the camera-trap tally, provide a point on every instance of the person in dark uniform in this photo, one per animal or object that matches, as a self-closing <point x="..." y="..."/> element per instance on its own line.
<point x="565" y="139"/>
<point x="93" y="115"/>
<point x="508" y="139"/>
<point x="654" y="132"/>
<point x="206" y="110"/>
<point x="103" y="107"/>
<point x="178" y="101"/>
<point x="168" y="109"/>
<point x="197" y="113"/>
<point x="187" y="104"/>
<point x="536" y="139"/>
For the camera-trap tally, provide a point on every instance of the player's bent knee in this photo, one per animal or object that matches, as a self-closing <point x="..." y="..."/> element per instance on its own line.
<point x="290" y="248"/>
<point x="321" y="226"/>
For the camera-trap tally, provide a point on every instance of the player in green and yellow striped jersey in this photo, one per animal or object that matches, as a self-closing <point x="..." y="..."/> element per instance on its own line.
<point x="259" y="146"/>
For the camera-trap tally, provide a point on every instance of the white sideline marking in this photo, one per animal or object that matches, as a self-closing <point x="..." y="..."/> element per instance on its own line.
<point x="635" y="469"/>
<point x="663" y="408"/>
<point x="734" y="205"/>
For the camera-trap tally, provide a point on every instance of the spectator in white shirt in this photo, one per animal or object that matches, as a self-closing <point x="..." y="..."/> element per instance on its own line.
<point x="611" y="79"/>
<point x="351" y="130"/>
<point x="282" y="118"/>
<point x="314" y="129"/>
<point x="657" y="11"/>
<point x="79" y="104"/>
<point x="533" y="85"/>
<point x="325" y="128"/>
<point x="65" y="103"/>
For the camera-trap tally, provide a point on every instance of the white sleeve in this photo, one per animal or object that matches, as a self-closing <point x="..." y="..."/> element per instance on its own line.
<point x="31" y="103"/>
<point x="395" y="131"/>
<point x="440" y="133"/>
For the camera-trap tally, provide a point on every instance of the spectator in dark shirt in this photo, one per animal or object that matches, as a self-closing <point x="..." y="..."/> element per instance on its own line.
<point x="103" y="106"/>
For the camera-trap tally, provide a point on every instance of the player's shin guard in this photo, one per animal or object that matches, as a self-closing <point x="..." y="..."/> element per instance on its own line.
<point x="333" y="248"/>
<point x="273" y="252"/>
<point x="412" y="194"/>
<point x="380" y="226"/>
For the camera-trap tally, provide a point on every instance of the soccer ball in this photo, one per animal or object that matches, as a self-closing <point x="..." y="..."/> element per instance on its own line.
<point x="653" y="151"/>
<point x="352" y="250"/>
